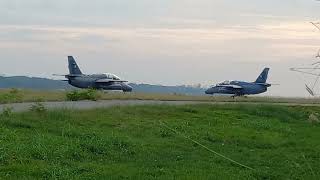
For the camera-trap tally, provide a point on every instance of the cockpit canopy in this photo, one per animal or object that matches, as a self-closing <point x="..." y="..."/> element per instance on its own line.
<point x="228" y="82"/>
<point x="111" y="76"/>
<point x="224" y="83"/>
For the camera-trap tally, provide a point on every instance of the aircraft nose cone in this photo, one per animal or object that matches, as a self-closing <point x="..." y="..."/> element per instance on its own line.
<point x="208" y="91"/>
<point x="126" y="88"/>
<point x="211" y="91"/>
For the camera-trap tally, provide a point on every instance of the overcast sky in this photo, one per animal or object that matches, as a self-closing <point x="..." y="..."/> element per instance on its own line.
<point x="170" y="42"/>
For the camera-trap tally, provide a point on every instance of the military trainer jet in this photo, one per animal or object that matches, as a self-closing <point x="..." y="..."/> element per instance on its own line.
<point x="104" y="81"/>
<point x="240" y="88"/>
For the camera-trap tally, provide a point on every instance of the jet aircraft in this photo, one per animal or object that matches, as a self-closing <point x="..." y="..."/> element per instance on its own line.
<point x="105" y="81"/>
<point x="241" y="88"/>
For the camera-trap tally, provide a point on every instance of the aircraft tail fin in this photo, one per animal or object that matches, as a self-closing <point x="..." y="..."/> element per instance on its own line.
<point x="263" y="76"/>
<point x="73" y="66"/>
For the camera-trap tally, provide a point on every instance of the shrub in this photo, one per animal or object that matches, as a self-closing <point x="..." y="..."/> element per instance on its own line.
<point x="38" y="107"/>
<point x="89" y="94"/>
<point x="73" y="95"/>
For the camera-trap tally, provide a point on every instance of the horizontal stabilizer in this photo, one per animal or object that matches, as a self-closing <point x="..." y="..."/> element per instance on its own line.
<point x="266" y="84"/>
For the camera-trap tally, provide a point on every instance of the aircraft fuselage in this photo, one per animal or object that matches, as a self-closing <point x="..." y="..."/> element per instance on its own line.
<point x="89" y="81"/>
<point x="247" y="88"/>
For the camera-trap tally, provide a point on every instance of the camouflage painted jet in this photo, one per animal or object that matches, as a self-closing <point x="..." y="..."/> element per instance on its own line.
<point x="104" y="81"/>
<point x="241" y="88"/>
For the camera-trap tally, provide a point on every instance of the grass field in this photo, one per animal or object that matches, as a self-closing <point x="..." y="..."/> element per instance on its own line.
<point x="130" y="143"/>
<point x="6" y="96"/>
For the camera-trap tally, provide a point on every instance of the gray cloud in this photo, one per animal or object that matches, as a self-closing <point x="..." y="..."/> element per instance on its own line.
<point x="151" y="13"/>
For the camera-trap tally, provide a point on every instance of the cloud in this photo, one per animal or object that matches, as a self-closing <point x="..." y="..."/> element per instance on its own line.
<point x="174" y="41"/>
<point x="155" y="13"/>
<point x="266" y="41"/>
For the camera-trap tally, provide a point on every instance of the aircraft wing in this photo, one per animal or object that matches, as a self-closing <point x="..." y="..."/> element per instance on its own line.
<point x="109" y="81"/>
<point x="230" y="86"/>
<point x="67" y="75"/>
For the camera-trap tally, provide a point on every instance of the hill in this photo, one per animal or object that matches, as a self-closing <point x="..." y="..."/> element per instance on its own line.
<point x="36" y="83"/>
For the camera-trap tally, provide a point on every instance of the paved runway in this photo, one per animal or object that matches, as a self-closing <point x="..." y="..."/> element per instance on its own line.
<point x="21" y="107"/>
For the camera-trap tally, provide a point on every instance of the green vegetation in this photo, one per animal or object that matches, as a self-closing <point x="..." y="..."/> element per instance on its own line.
<point x="89" y="94"/>
<point x="6" y="96"/>
<point x="130" y="143"/>
<point x="38" y="107"/>
<point x="10" y="96"/>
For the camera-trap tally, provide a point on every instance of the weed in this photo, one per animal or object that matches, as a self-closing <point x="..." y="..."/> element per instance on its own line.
<point x="38" y="107"/>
